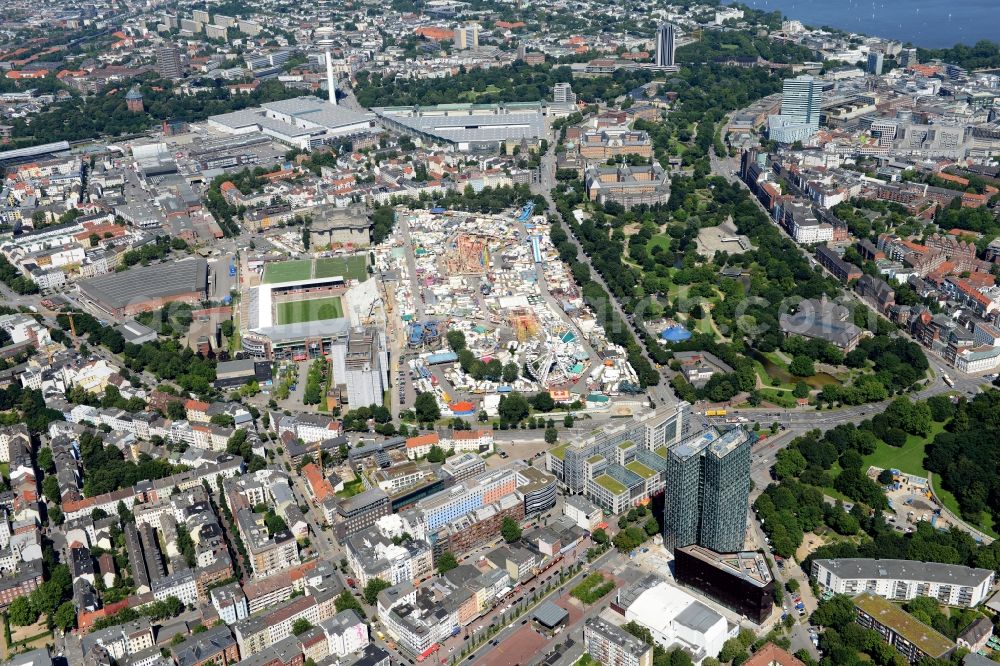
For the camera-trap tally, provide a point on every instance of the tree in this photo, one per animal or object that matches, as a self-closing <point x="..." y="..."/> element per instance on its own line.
<point x="510" y="530"/>
<point x="345" y="600"/>
<point x="426" y="407"/>
<point x="730" y="650"/>
<point x="801" y="390"/>
<point x="551" y="435"/>
<point x="789" y="463"/>
<point x="568" y="421"/>
<point x="651" y="526"/>
<point x="513" y="407"/>
<point x="50" y="488"/>
<point x="543" y="402"/>
<point x="802" y="366"/>
<point x="680" y="658"/>
<point x="599" y="536"/>
<point x="629" y="539"/>
<point x="45" y="462"/>
<point x="510" y="372"/>
<point x="301" y="626"/>
<point x="374" y="586"/>
<point x="175" y="410"/>
<point x="65" y="617"/>
<point x="885" y="477"/>
<point x="436" y="454"/>
<point x="22" y="612"/>
<point x="456" y="340"/>
<point x="446" y="562"/>
<point x="837" y="612"/>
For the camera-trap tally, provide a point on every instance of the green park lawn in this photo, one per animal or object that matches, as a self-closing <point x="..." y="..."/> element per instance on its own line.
<point x="949" y="500"/>
<point x="908" y="458"/>
<point x="659" y="240"/>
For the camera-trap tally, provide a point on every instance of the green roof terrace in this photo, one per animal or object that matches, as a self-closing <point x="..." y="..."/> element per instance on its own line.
<point x="613" y="486"/>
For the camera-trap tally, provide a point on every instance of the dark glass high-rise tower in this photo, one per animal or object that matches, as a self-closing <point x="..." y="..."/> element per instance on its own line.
<point x="708" y="491"/>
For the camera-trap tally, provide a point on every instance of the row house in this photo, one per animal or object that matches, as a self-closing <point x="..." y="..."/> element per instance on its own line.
<point x="255" y="633"/>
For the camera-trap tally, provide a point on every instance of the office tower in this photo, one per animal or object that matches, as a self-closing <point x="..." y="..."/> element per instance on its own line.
<point x="467" y="36"/>
<point x="708" y="491"/>
<point x="562" y="93"/>
<point x="875" y="60"/>
<point x="908" y="57"/>
<point x="801" y="100"/>
<point x="665" y="45"/>
<point x="168" y="62"/>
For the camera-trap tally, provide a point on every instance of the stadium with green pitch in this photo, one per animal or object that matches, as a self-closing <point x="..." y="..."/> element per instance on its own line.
<point x="282" y="311"/>
<point x="317" y="309"/>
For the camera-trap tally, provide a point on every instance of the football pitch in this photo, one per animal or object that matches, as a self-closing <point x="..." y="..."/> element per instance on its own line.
<point x="354" y="267"/>
<point x="288" y="271"/>
<point x="313" y="310"/>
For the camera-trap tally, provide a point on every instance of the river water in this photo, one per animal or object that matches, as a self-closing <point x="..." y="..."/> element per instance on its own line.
<point x="926" y="23"/>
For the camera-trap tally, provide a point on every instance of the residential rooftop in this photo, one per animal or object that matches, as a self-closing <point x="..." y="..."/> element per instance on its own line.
<point x="926" y="639"/>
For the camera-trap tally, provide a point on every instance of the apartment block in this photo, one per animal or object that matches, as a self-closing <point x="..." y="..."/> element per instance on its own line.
<point x="614" y="646"/>
<point x="902" y="580"/>
<point x="914" y="639"/>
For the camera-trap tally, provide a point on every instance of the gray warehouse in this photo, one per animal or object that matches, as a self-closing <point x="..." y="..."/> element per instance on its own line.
<point x="147" y="288"/>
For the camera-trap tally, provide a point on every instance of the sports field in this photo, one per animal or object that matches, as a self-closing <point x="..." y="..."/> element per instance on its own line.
<point x="354" y="267"/>
<point x="312" y="310"/>
<point x="288" y="271"/>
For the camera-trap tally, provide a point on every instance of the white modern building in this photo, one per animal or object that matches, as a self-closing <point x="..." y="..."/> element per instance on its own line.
<point x="676" y="619"/>
<point x="562" y="93"/>
<point x="901" y="580"/>
<point x="230" y="602"/>
<point x="584" y="513"/>
<point x="345" y="633"/>
<point x="181" y="584"/>
<point x="467" y="36"/>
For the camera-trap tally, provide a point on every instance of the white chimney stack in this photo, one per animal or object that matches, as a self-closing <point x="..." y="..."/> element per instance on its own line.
<point x="331" y="88"/>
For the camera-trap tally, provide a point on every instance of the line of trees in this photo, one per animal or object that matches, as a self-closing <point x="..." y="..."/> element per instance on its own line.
<point x="106" y="114"/>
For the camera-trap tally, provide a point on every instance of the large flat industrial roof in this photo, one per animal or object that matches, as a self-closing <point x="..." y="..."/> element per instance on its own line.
<point x="117" y="290"/>
<point x="314" y="110"/>
<point x="469" y="128"/>
<point x="308" y="114"/>
<point x="33" y="151"/>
